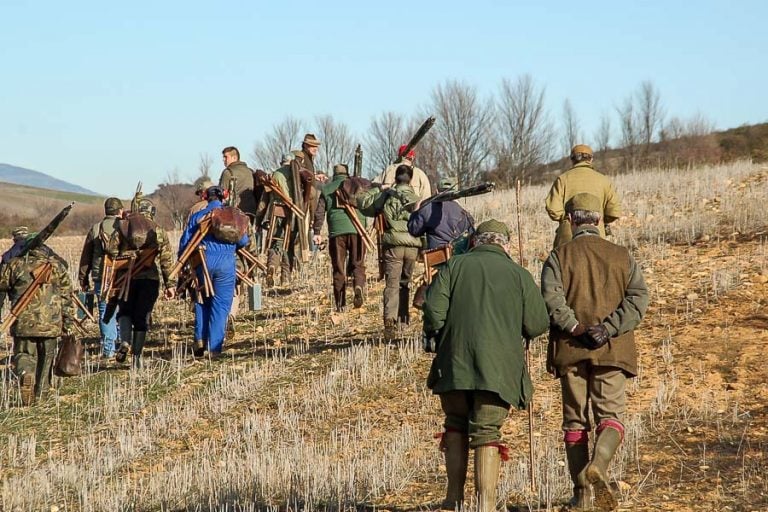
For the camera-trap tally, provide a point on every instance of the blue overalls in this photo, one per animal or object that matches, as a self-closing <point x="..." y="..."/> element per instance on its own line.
<point x="211" y="315"/>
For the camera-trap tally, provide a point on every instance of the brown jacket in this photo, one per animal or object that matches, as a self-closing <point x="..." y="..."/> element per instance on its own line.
<point x="590" y="280"/>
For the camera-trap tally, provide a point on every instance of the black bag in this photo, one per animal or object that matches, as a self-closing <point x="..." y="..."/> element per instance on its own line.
<point x="69" y="361"/>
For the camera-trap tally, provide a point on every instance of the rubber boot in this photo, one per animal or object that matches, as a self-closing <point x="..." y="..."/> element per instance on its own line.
<point x="578" y="458"/>
<point x="402" y="306"/>
<point x="487" y="463"/>
<point x="456" y="457"/>
<point x="139" y="337"/>
<point x="126" y="337"/>
<point x="420" y="296"/>
<point x="607" y="443"/>
<point x="46" y="349"/>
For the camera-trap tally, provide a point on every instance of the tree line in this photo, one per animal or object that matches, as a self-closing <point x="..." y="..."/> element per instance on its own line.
<point x="508" y="136"/>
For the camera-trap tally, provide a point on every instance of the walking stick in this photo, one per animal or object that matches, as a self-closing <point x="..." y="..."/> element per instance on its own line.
<point x="531" y="472"/>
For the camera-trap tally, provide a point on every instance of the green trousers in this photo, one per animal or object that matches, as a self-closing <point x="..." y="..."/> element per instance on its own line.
<point x="480" y="414"/>
<point x="34" y="355"/>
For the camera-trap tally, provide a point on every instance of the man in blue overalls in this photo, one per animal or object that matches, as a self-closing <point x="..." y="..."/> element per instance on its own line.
<point x="211" y="315"/>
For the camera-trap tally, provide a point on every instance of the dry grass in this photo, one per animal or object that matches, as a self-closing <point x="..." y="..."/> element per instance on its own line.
<point x="313" y="411"/>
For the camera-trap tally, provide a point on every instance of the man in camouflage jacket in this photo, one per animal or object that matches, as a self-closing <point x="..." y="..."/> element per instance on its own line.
<point x="48" y="315"/>
<point x="133" y="314"/>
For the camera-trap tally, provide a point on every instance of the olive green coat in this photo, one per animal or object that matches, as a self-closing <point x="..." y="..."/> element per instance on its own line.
<point x="483" y="304"/>
<point x="581" y="178"/>
<point x="339" y="222"/>
<point x="243" y="184"/>
<point x="396" y="215"/>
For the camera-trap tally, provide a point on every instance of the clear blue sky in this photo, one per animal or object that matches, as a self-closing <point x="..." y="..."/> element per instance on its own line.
<point x="103" y="94"/>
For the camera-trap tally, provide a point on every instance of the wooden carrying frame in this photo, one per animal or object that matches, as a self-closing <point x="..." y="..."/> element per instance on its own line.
<point x="434" y="257"/>
<point x="280" y="212"/>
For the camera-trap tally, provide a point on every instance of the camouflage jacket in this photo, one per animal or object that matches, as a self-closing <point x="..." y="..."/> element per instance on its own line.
<point x="50" y="312"/>
<point x="164" y="259"/>
<point x="92" y="255"/>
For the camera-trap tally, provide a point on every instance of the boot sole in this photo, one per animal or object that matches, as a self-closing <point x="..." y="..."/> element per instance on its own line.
<point x="604" y="498"/>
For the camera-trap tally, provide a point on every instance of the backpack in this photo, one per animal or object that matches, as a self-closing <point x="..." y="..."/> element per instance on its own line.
<point x="137" y="231"/>
<point x="229" y="224"/>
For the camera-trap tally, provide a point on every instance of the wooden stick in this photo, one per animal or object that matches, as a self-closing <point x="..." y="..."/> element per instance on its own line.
<point x="531" y="471"/>
<point x="352" y="214"/>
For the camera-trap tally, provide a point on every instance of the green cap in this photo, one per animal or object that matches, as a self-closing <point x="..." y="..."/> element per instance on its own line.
<point x="446" y="183"/>
<point x="492" y="226"/>
<point x="112" y="206"/>
<point x="584" y="201"/>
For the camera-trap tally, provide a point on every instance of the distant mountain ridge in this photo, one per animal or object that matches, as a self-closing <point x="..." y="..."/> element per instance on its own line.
<point x="28" y="177"/>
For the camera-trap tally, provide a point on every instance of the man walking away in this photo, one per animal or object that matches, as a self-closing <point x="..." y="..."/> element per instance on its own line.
<point x="596" y="297"/>
<point x="479" y="311"/>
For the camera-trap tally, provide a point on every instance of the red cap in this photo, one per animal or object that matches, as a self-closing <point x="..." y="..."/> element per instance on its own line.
<point x="411" y="154"/>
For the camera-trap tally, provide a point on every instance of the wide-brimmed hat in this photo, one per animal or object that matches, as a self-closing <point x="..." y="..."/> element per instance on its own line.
<point x="311" y="140"/>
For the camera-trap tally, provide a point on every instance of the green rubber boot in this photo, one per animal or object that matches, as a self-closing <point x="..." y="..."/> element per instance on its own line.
<point x="597" y="471"/>
<point x="456" y="452"/>
<point x="578" y="458"/>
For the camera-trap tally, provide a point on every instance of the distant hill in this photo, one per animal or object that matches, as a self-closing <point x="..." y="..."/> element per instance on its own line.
<point x="21" y="176"/>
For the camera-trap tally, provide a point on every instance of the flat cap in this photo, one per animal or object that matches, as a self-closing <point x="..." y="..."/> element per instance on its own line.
<point x="446" y="183"/>
<point x="581" y="148"/>
<point x="340" y="169"/>
<point x="492" y="226"/>
<point x="586" y="202"/>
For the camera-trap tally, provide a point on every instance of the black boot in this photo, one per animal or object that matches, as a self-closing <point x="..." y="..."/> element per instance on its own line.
<point x="402" y="307"/>
<point x="139" y="337"/>
<point x="126" y="336"/>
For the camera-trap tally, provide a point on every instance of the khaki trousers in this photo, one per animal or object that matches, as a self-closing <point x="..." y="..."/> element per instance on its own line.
<point x="398" y="269"/>
<point x="480" y="414"/>
<point x="602" y="386"/>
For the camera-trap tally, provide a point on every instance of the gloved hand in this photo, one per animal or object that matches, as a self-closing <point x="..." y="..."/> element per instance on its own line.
<point x="598" y="334"/>
<point x="578" y="330"/>
<point x="429" y="342"/>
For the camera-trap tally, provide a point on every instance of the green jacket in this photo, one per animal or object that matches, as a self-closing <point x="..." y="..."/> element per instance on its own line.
<point x="339" y="222"/>
<point x="396" y="214"/>
<point x="50" y="311"/>
<point x="243" y="182"/>
<point x="590" y="280"/>
<point x="483" y="304"/>
<point x="581" y="178"/>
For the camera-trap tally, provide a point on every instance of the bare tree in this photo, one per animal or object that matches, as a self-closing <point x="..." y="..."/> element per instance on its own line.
<point x="385" y="135"/>
<point x="630" y="132"/>
<point x="462" y="131"/>
<point x="650" y="113"/>
<point x="337" y="146"/>
<point x="204" y="167"/>
<point x="603" y="134"/>
<point x="284" y="135"/>
<point x="524" y="133"/>
<point x="571" y="131"/>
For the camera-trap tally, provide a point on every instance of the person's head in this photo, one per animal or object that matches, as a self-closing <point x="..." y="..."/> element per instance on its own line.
<point x="310" y="144"/>
<point x="493" y="232"/>
<point x="446" y="183"/>
<point x="583" y="209"/>
<point x="286" y="159"/>
<point x="202" y="185"/>
<point x="403" y="174"/>
<point x="146" y="208"/>
<point x="230" y="154"/>
<point x="214" y="193"/>
<point x="341" y="169"/>
<point x="20" y="233"/>
<point x="581" y="153"/>
<point x="113" y="206"/>
<point x="410" y="156"/>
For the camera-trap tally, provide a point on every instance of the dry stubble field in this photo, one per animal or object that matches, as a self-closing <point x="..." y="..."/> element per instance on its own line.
<point x="313" y="411"/>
